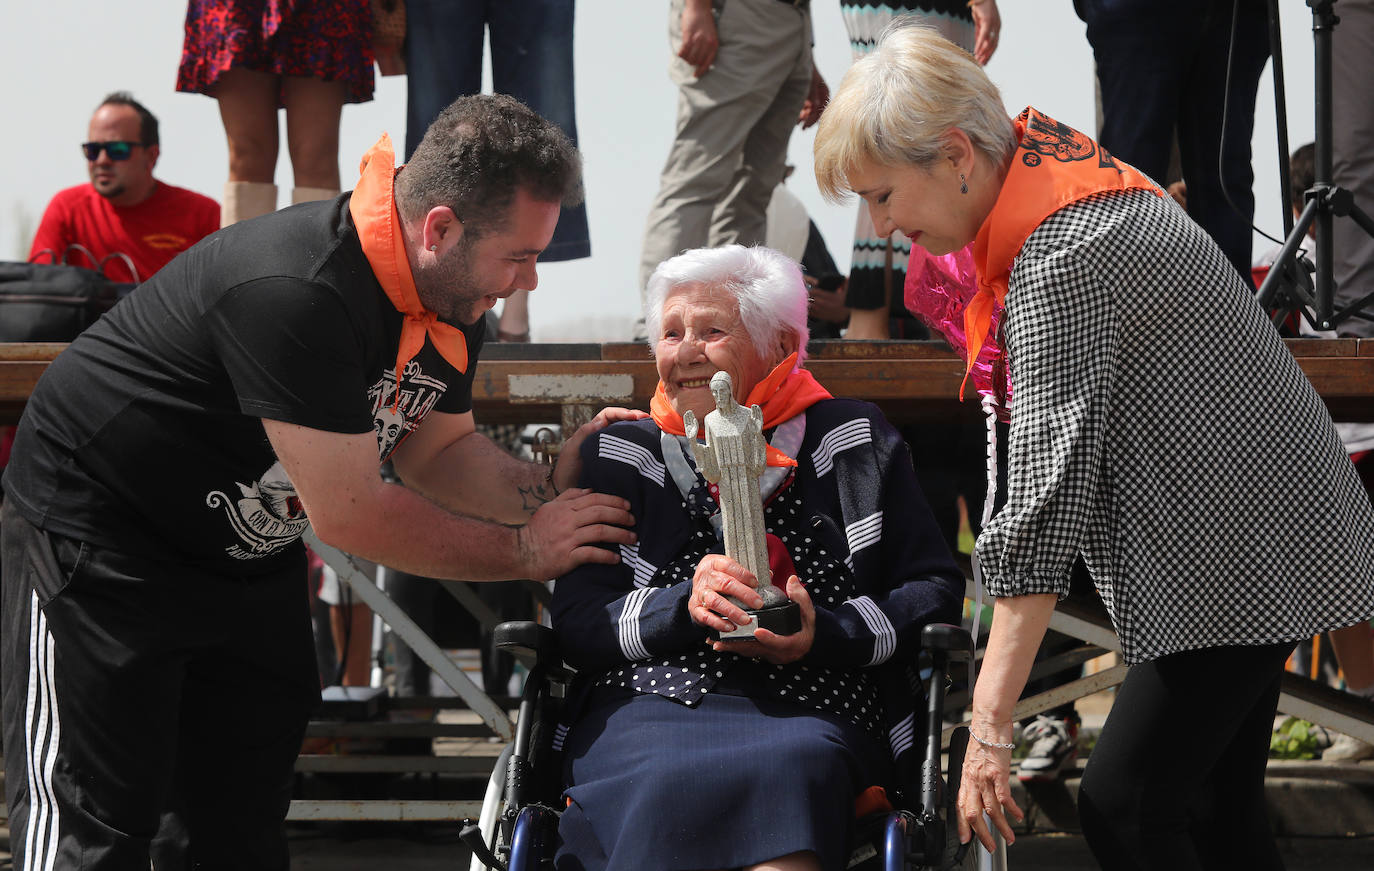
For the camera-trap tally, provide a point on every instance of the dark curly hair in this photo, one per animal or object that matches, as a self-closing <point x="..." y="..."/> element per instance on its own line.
<point x="1301" y="175"/>
<point x="477" y="153"/>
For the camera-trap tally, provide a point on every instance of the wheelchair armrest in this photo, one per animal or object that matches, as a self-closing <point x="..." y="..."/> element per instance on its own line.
<point x="953" y="641"/>
<point x="531" y="643"/>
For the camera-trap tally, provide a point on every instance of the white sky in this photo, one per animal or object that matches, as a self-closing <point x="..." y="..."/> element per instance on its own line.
<point x="58" y="58"/>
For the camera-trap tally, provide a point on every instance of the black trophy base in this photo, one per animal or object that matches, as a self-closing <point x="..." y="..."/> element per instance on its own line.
<point x="784" y="619"/>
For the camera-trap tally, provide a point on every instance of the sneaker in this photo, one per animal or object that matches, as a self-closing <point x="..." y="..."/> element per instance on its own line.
<point x="1053" y="747"/>
<point x="1348" y="749"/>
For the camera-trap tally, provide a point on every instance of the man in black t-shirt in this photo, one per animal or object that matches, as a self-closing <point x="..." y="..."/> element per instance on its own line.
<point x="155" y="623"/>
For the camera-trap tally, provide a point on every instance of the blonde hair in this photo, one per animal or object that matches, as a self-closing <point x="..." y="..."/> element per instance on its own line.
<point x="767" y="284"/>
<point x="895" y="106"/>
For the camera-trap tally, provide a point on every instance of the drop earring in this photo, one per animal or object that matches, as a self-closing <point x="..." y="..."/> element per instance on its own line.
<point x="963" y="184"/>
<point x="436" y="247"/>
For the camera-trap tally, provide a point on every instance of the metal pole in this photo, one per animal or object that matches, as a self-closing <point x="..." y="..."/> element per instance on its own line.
<point x="413" y="635"/>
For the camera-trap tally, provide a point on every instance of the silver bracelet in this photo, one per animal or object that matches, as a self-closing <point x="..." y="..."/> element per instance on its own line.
<point x="998" y="745"/>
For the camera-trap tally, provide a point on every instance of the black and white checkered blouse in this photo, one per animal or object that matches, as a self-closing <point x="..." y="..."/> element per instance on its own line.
<point x="1161" y="429"/>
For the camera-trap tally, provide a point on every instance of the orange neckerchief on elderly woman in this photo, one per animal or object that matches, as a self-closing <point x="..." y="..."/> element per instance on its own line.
<point x="1054" y="165"/>
<point x="783" y="394"/>
<point x="373" y="207"/>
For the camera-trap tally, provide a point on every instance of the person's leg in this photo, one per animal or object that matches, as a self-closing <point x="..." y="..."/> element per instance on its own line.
<point x="715" y="115"/>
<point x="1140" y="47"/>
<point x="313" y="108"/>
<point x="416" y="597"/>
<point x="1237" y="832"/>
<point x="1354" y="646"/>
<point x="1352" y="81"/>
<point x="742" y="216"/>
<point x="1142" y="795"/>
<point x="443" y="59"/>
<point x="91" y="692"/>
<point x="1217" y="171"/>
<point x="247" y="699"/>
<point x="248" y="108"/>
<point x="532" y="60"/>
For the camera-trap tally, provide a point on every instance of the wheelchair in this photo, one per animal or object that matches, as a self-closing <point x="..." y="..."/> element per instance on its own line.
<point x="518" y="826"/>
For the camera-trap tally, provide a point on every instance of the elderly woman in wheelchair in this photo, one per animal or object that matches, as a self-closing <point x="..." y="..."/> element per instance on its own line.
<point x="687" y="752"/>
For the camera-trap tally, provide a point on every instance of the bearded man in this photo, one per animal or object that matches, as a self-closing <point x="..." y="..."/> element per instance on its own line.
<point x="155" y="627"/>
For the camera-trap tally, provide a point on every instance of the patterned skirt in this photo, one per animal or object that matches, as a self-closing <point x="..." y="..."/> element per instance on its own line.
<point x="865" y="20"/>
<point x="732" y="782"/>
<point x="312" y="39"/>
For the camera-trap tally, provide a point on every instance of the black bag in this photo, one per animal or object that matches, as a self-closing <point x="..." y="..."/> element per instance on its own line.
<point x="54" y="302"/>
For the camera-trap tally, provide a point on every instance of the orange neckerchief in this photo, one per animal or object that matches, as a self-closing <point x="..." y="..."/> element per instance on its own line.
<point x="373" y="207"/>
<point x="1054" y="166"/>
<point x="782" y="395"/>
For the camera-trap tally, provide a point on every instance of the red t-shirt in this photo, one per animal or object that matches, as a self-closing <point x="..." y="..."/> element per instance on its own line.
<point x="151" y="233"/>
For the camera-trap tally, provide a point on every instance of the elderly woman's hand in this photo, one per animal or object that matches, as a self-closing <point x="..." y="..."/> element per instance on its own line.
<point x="985" y="786"/>
<point x="780" y="649"/>
<point x="716" y="579"/>
<point x="987" y="26"/>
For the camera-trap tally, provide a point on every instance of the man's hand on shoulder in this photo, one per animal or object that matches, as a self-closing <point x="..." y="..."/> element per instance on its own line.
<point x="564" y="533"/>
<point x="569" y="468"/>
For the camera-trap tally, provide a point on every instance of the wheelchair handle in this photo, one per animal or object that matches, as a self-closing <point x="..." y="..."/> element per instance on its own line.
<point x="952" y="641"/>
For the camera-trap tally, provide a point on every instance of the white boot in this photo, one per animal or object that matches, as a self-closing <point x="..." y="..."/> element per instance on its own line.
<point x="246" y="199"/>
<point x="310" y="195"/>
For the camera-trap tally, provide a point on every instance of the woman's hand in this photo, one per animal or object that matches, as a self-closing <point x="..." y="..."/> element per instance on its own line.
<point x="986" y="785"/>
<point x="780" y="649"/>
<point x="987" y="26"/>
<point x="716" y="579"/>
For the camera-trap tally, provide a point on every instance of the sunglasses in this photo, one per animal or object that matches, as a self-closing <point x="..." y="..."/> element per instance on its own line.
<point x="117" y="149"/>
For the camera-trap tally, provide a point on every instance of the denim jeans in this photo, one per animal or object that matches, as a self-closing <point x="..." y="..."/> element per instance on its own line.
<point x="531" y="58"/>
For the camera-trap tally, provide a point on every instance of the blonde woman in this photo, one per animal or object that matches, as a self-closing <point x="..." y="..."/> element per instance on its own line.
<point x="1141" y="439"/>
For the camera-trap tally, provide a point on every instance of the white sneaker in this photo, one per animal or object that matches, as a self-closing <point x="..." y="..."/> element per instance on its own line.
<point x="1348" y="749"/>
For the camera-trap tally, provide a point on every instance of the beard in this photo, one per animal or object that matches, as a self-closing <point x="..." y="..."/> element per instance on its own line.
<point x="449" y="287"/>
<point x="109" y="188"/>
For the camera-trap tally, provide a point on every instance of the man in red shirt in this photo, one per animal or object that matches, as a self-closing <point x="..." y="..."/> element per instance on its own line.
<point x="124" y="209"/>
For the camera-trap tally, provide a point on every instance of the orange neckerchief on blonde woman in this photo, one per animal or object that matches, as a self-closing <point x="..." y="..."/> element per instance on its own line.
<point x="783" y="394"/>
<point x="373" y="207"/>
<point x="1054" y="165"/>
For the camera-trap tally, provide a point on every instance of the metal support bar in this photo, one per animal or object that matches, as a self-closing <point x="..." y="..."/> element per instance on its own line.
<point x="382" y="811"/>
<point x="415" y="637"/>
<point x="1324" y="716"/>
<point x="1053" y="665"/>
<point x="1041" y="702"/>
<point x="467" y="767"/>
<point x="468" y="598"/>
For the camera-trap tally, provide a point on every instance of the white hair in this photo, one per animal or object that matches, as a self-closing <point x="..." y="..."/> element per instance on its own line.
<point x="767" y="285"/>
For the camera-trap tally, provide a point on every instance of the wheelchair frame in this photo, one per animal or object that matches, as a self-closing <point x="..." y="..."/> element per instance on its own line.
<point x="517" y="830"/>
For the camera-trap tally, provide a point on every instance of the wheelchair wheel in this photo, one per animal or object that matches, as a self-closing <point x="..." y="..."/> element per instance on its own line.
<point x="534" y="839"/>
<point x="900" y="832"/>
<point x="493" y="803"/>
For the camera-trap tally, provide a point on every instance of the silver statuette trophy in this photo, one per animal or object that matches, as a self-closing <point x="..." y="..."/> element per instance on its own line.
<point x="733" y="458"/>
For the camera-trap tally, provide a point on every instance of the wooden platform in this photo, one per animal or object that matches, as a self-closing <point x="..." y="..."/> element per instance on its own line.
<point x="909" y="380"/>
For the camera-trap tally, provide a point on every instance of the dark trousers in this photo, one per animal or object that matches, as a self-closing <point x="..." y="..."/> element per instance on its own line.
<point x="1176" y="780"/>
<point x="127" y="681"/>
<point x="531" y="59"/>
<point x="1162" y="67"/>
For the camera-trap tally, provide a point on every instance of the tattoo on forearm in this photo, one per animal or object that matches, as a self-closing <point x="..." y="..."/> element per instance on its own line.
<point x="533" y="496"/>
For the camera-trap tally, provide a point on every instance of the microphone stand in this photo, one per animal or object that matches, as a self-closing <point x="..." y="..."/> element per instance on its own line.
<point x="1289" y="286"/>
